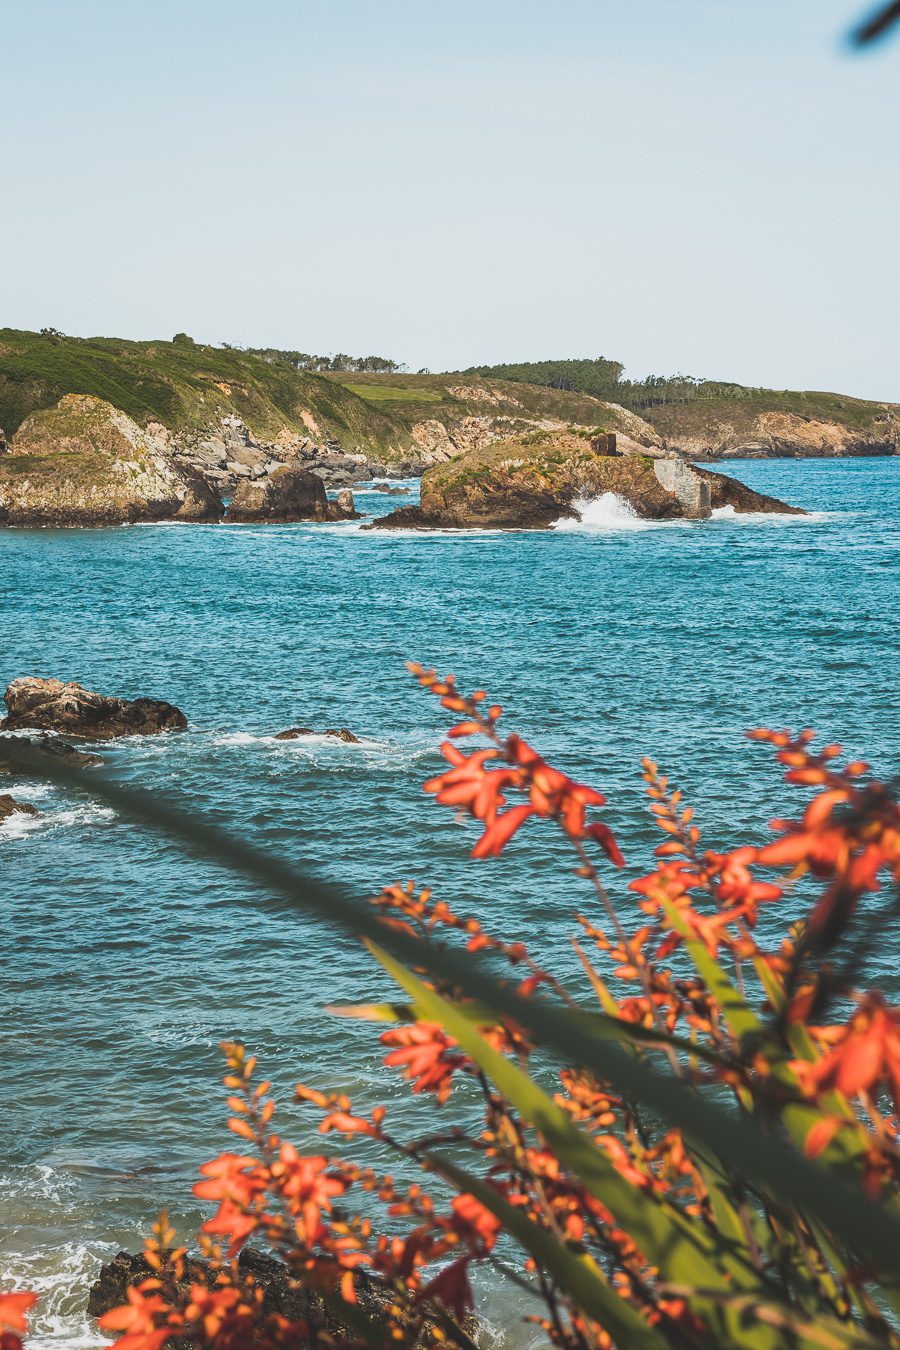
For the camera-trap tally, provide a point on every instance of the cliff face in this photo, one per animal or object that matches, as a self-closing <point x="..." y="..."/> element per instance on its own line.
<point x="705" y="430"/>
<point x="84" y="462"/>
<point x="533" y="481"/>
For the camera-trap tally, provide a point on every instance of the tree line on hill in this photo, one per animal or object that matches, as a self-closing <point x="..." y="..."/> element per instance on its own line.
<point x="604" y="379"/>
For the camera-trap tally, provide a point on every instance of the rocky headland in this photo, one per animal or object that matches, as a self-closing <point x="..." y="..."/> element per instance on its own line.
<point x="533" y="481"/>
<point x="71" y="710"/>
<point x="83" y="462"/>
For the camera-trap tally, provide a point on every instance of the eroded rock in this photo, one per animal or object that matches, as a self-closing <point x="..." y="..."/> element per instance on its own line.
<point x="53" y="705"/>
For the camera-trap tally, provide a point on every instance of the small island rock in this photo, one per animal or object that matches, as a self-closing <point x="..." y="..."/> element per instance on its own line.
<point x="340" y="734"/>
<point x="532" y="481"/>
<point x="53" y="705"/>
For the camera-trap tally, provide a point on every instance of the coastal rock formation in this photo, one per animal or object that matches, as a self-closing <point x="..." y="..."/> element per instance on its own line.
<point x="281" y="1294"/>
<point x="84" y="462"/>
<point x="725" y="491"/>
<point x="10" y="807"/>
<point x="43" y="746"/>
<point x="52" y="705"/>
<point x="533" y="481"/>
<point x="288" y="494"/>
<point x="294" y="733"/>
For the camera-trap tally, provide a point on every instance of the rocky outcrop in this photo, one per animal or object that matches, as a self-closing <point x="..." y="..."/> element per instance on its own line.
<point x="84" y="462"/>
<point x="281" y="1294"/>
<point x="10" y="807"/>
<point x="52" y="705"/>
<point x="285" y="495"/>
<point x="294" y="733"/>
<point x="531" y="482"/>
<point x="345" y="503"/>
<point x="725" y="491"/>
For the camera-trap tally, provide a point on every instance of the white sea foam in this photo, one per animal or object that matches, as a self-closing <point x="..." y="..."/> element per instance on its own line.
<point x="606" y="512"/>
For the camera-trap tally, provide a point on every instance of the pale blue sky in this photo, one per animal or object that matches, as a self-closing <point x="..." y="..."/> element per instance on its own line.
<point x="708" y="186"/>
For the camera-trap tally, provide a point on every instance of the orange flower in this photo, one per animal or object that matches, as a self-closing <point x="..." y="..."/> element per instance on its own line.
<point x="231" y="1177"/>
<point x="13" y="1308"/>
<point x="866" y="1056"/>
<point x="308" y="1187"/>
<point x="138" y="1318"/>
<point x="425" y="1054"/>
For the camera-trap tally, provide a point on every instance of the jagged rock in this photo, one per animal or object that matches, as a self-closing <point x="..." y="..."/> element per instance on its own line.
<point x="281" y="1293"/>
<point x="85" y="462"/>
<point x="287" y="494"/>
<point x="10" y="807"/>
<point x="725" y="491"/>
<point x="532" y="481"/>
<point x="344" y="501"/>
<point x="52" y="705"/>
<point x="294" y="733"/>
<point x="44" y="745"/>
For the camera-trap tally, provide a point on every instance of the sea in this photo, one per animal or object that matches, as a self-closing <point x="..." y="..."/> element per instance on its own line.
<point x="124" y="961"/>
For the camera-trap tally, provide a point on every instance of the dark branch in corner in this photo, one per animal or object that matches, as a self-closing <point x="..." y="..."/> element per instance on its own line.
<point x="877" y="25"/>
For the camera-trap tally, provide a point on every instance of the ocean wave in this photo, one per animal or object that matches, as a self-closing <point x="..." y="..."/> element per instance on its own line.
<point x="609" y="511"/>
<point x="20" y="825"/>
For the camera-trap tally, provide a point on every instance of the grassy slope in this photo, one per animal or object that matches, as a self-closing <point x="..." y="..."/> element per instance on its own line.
<point x="190" y="387"/>
<point x="184" y="387"/>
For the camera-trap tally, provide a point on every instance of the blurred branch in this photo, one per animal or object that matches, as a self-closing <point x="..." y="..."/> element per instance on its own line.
<point x="877" y="25"/>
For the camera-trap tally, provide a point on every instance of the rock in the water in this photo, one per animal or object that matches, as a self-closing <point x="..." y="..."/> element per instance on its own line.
<point x="531" y="481"/>
<point x="45" y="745"/>
<point x="52" y="705"/>
<point x="281" y="1293"/>
<point x="345" y="503"/>
<point x="390" y="489"/>
<point x="286" y="495"/>
<point x="10" y="807"/>
<point x="85" y="462"/>
<point x="341" y="734"/>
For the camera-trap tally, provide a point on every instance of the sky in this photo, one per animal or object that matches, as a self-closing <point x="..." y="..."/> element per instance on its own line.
<point x="699" y="186"/>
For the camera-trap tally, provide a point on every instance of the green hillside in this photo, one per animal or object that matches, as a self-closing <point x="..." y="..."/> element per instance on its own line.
<point x="184" y="385"/>
<point x="190" y="387"/>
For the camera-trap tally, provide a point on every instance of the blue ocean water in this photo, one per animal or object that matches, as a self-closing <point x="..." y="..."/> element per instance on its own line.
<point x="125" y="963"/>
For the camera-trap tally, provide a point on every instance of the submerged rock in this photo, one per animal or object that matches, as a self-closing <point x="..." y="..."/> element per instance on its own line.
<point x="45" y="745"/>
<point x="52" y="705"/>
<point x="85" y="462"/>
<point x="10" y="807"/>
<point x="530" y="482"/>
<point x="340" y="734"/>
